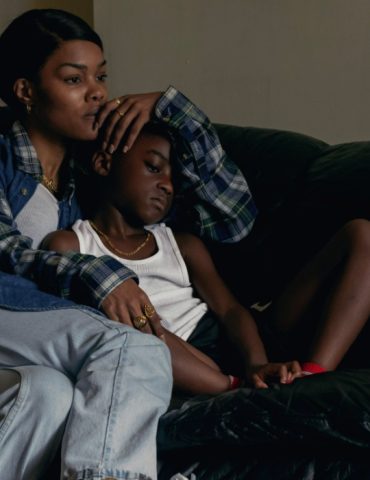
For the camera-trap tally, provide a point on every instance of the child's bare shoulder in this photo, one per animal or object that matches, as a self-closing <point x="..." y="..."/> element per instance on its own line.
<point x="61" y="241"/>
<point x="186" y="238"/>
<point x="188" y="243"/>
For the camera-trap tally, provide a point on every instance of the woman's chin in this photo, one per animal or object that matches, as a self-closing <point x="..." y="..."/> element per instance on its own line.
<point x="86" y="135"/>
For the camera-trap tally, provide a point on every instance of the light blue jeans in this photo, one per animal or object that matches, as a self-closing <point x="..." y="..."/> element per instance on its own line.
<point x="69" y="375"/>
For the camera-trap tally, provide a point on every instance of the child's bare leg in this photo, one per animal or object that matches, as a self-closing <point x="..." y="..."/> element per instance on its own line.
<point x="347" y="307"/>
<point x="193" y="371"/>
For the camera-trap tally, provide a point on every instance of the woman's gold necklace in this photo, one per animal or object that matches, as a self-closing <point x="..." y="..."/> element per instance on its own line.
<point x="117" y="250"/>
<point x="50" y="184"/>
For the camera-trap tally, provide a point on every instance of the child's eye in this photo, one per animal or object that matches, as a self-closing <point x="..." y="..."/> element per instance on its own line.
<point x="152" y="168"/>
<point x="102" y="77"/>
<point x="73" y="80"/>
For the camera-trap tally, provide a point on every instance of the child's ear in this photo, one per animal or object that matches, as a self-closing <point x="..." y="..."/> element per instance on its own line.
<point x="101" y="163"/>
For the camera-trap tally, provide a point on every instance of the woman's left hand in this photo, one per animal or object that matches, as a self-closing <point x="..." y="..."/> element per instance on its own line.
<point x="128" y="113"/>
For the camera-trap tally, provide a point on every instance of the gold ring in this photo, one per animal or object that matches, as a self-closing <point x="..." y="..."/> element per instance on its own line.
<point x="118" y="101"/>
<point x="120" y="113"/>
<point x="140" y="321"/>
<point x="149" y="310"/>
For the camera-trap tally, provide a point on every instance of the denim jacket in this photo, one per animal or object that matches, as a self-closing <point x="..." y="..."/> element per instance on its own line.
<point x="214" y="190"/>
<point x="70" y="276"/>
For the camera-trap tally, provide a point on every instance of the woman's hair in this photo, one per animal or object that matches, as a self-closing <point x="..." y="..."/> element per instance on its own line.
<point x="30" y="39"/>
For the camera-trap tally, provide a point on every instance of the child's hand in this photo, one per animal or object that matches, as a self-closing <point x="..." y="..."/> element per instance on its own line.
<point x="284" y="372"/>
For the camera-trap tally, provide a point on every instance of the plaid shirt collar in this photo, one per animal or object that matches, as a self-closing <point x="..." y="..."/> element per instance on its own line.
<point x="27" y="160"/>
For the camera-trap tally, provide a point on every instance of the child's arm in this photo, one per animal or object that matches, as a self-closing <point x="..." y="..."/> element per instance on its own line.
<point x="61" y="241"/>
<point x="201" y="374"/>
<point x="238" y="322"/>
<point x="193" y="371"/>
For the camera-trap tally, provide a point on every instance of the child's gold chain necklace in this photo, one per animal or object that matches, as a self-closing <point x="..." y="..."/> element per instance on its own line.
<point x="117" y="250"/>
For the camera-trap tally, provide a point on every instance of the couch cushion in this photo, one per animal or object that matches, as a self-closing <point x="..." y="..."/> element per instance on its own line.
<point x="338" y="181"/>
<point x="274" y="162"/>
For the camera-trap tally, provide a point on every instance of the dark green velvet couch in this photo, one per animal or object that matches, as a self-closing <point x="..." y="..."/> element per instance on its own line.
<point x="305" y="190"/>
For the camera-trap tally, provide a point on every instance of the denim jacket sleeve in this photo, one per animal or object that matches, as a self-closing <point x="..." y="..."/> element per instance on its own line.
<point x="216" y="190"/>
<point x="82" y="278"/>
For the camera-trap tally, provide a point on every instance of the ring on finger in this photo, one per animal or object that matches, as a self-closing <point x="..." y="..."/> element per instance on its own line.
<point x="140" y="321"/>
<point x="149" y="310"/>
<point x="118" y="101"/>
<point x="120" y="113"/>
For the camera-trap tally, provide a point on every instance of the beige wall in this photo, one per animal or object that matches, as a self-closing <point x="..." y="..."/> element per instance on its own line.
<point x="293" y="64"/>
<point x="11" y="8"/>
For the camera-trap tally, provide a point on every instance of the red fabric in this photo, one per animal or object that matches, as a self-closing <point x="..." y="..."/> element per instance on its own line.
<point x="235" y="382"/>
<point x="312" y="367"/>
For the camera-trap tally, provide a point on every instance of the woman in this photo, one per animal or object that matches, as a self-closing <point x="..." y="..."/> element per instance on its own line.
<point x="64" y="373"/>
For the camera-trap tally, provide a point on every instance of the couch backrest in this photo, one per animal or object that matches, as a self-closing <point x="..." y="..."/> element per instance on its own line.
<point x="274" y="162"/>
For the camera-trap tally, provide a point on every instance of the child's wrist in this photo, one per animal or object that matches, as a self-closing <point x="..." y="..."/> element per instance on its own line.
<point x="235" y="382"/>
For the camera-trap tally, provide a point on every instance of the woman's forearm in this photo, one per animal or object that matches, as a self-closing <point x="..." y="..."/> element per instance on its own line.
<point x="223" y="204"/>
<point x="73" y="276"/>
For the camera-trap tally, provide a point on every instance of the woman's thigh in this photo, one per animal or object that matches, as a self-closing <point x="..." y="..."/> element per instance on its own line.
<point x="57" y="338"/>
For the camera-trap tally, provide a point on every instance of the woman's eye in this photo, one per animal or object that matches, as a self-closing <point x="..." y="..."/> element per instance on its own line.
<point x="102" y="78"/>
<point x="73" y="80"/>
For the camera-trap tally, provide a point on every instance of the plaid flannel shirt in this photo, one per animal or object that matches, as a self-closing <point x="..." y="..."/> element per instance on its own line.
<point x="224" y="207"/>
<point x="215" y="189"/>
<point x="74" y="276"/>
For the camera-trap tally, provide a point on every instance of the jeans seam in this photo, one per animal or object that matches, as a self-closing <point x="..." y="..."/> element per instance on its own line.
<point x="111" y="415"/>
<point x="21" y="395"/>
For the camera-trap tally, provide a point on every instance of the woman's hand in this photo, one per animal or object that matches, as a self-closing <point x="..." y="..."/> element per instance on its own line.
<point x="125" y="114"/>
<point x="130" y="305"/>
<point x="283" y="372"/>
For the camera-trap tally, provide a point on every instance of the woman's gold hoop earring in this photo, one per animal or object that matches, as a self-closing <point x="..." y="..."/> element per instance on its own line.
<point x="28" y="108"/>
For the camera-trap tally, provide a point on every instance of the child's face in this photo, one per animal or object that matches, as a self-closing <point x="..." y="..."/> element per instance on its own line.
<point x="141" y="180"/>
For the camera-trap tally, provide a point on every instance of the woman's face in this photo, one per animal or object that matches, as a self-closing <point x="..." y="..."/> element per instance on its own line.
<point x="70" y="91"/>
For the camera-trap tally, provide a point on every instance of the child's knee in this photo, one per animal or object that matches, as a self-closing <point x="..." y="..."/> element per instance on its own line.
<point x="358" y="235"/>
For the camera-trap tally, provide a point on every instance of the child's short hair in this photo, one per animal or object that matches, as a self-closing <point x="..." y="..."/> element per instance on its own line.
<point x="84" y="151"/>
<point x="159" y="129"/>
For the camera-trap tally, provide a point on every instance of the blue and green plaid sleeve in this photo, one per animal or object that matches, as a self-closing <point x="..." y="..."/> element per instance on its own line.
<point x="223" y="204"/>
<point x="82" y="278"/>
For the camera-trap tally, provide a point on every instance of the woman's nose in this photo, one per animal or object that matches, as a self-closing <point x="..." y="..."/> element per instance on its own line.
<point x="97" y="92"/>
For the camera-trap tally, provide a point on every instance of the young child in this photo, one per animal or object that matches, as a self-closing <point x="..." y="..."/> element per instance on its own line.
<point x="132" y="192"/>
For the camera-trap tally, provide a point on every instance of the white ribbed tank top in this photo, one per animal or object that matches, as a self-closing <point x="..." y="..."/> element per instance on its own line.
<point x="163" y="277"/>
